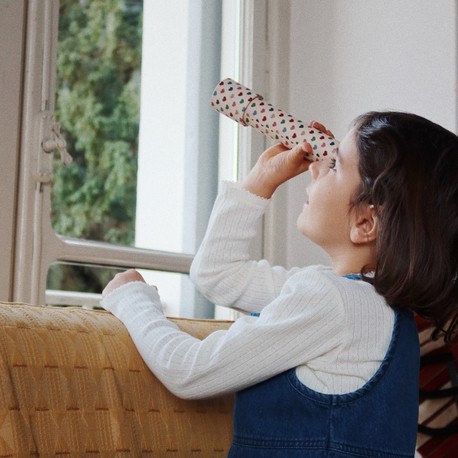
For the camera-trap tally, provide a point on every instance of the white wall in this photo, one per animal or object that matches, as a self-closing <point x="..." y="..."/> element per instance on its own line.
<point x="350" y="56"/>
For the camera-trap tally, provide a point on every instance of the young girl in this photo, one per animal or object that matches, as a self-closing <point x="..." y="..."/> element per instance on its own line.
<point x="330" y="366"/>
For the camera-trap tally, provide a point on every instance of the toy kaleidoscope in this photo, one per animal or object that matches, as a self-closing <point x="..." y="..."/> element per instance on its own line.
<point x="250" y="109"/>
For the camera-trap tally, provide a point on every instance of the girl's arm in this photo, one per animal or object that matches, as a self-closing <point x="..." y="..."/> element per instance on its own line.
<point x="303" y="323"/>
<point x="222" y="268"/>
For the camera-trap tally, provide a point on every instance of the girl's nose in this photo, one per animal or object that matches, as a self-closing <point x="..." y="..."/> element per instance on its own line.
<point x="313" y="170"/>
<point x="318" y="167"/>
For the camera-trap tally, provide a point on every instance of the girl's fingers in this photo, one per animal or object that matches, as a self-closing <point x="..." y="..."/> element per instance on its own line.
<point x="307" y="147"/>
<point x="299" y="161"/>
<point x="275" y="149"/>
<point x="302" y="149"/>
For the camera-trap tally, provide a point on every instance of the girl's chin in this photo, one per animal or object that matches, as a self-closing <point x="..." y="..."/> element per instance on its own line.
<point x="301" y="222"/>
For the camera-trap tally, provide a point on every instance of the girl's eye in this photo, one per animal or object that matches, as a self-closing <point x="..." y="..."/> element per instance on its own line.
<point x="332" y="165"/>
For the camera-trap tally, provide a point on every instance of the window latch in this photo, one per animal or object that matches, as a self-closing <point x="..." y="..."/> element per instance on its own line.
<point x="56" y="141"/>
<point x="52" y="140"/>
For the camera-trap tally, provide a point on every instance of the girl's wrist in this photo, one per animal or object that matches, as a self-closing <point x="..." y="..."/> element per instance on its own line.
<point x="257" y="186"/>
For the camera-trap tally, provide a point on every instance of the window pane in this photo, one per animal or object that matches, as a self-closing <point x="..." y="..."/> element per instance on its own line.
<point x="70" y="276"/>
<point x="98" y="105"/>
<point x="178" y="148"/>
<point x="144" y="170"/>
<point x="177" y="293"/>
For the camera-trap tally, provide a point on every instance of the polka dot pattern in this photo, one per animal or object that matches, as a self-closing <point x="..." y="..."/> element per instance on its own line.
<point x="250" y="109"/>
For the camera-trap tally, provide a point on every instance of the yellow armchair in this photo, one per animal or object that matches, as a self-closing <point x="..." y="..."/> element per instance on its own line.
<point x="73" y="384"/>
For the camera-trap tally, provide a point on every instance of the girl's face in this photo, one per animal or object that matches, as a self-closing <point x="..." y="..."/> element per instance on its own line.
<point x="326" y="218"/>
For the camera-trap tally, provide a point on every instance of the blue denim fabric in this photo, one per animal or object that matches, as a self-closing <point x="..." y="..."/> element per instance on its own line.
<point x="281" y="417"/>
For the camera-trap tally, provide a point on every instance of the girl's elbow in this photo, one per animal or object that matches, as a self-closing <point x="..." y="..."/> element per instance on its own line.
<point x="199" y="275"/>
<point x="187" y="392"/>
<point x="205" y="281"/>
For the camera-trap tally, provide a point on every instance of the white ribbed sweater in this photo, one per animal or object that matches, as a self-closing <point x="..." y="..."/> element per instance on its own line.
<point x="334" y="330"/>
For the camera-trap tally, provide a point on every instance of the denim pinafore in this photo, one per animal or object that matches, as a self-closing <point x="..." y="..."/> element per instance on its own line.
<point x="281" y="417"/>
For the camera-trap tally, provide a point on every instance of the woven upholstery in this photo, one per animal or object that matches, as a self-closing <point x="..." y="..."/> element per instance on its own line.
<point x="73" y="384"/>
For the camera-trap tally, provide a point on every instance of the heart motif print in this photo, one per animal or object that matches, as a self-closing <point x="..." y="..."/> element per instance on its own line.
<point x="250" y="109"/>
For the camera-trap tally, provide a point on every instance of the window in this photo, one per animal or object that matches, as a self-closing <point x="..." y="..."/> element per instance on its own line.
<point x="181" y="137"/>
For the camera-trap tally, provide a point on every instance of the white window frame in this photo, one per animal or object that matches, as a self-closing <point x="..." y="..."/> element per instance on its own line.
<point x="36" y="245"/>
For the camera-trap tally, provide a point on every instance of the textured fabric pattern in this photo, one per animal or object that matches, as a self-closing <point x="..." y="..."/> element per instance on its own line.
<point x="73" y="384"/>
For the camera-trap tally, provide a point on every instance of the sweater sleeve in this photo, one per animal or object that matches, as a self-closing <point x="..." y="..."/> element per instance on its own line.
<point x="222" y="269"/>
<point x="303" y="323"/>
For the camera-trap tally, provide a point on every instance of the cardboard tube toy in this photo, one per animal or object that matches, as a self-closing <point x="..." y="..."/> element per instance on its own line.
<point x="250" y="109"/>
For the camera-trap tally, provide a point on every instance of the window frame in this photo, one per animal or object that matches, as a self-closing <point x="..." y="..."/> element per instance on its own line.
<point x="37" y="246"/>
<point x="12" y="14"/>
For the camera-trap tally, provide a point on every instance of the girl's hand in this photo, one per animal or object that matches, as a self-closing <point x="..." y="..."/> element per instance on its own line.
<point x="275" y="166"/>
<point x="121" y="279"/>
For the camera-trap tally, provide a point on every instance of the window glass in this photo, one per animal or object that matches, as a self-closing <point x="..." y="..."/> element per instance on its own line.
<point x="144" y="170"/>
<point x="72" y="276"/>
<point x="98" y="106"/>
<point x="133" y="104"/>
<point x="176" y="290"/>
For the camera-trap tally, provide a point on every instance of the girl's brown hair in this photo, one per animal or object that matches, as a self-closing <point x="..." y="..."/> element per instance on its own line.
<point x="409" y="171"/>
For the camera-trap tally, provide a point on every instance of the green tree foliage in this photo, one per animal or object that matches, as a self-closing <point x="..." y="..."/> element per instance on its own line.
<point x="97" y="104"/>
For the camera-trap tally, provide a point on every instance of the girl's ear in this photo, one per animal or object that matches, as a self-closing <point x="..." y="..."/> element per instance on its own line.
<point x="364" y="226"/>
